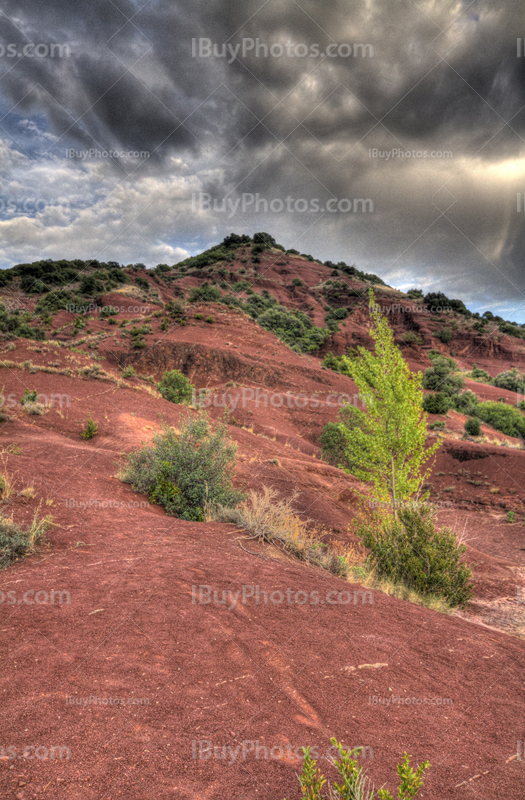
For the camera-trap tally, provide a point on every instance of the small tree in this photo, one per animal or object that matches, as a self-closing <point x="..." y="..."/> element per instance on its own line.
<point x="387" y="442"/>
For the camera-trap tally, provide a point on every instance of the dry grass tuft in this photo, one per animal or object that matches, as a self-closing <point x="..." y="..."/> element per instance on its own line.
<point x="270" y="519"/>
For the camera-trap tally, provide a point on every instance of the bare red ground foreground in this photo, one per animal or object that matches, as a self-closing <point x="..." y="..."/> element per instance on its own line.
<point x="144" y="656"/>
<point x="139" y="670"/>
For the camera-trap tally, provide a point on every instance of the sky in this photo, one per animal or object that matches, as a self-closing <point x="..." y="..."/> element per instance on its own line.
<point x="385" y="133"/>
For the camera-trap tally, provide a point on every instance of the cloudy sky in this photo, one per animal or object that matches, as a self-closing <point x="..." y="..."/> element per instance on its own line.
<point x="386" y="133"/>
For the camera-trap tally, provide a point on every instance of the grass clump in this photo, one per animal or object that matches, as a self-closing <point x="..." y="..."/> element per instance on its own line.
<point x="175" y="387"/>
<point x="30" y="403"/>
<point x="275" y="521"/>
<point x="410" y="550"/>
<point x="186" y="471"/>
<point x="356" y="785"/>
<point x="17" y="542"/>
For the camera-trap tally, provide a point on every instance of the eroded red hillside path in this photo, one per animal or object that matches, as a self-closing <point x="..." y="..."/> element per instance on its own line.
<point x="254" y="681"/>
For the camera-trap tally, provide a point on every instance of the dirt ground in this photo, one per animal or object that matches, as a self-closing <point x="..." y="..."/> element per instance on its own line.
<point x="142" y="655"/>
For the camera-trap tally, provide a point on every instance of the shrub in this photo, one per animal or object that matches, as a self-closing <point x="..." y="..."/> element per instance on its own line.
<point x="436" y="403"/>
<point x="466" y="402"/>
<point x="184" y="472"/>
<point x="89" y="285"/>
<point x="473" y="426"/>
<point x="410" y="337"/>
<point x="30" y="396"/>
<point x="199" y="316"/>
<point x="444" y="335"/>
<point x="439" y="377"/>
<point x="356" y="785"/>
<point x="91" y="428"/>
<point x="334" y="444"/>
<point x="480" y="375"/>
<point x="17" y="542"/>
<point x="510" y="516"/>
<point x="175" y="387"/>
<point x="438" y="425"/>
<point x="511" y="380"/>
<point x="205" y="294"/>
<point x="297" y="282"/>
<point x="210" y="320"/>
<point x="410" y="550"/>
<point x="142" y="283"/>
<point x="336" y="363"/>
<point x="502" y="417"/>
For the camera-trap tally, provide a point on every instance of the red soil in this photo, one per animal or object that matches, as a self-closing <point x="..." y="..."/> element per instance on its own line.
<point x="265" y="677"/>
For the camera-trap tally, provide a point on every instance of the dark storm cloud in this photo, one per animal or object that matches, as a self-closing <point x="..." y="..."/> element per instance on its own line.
<point x="145" y="104"/>
<point x="438" y="79"/>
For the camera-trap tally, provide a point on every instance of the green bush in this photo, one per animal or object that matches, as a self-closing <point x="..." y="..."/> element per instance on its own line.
<point x="444" y="335"/>
<point x="436" y="403"/>
<point x="294" y="328"/>
<point x="511" y="380"/>
<point x="502" y="417"/>
<point x="473" y="426"/>
<point x="184" y="472"/>
<point x="175" y="387"/>
<point x="30" y="396"/>
<point x="411" y="337"/>
<point x="438" y="425"/>
<point x="410" y="550"/>
<point x="334" y="444"/>
<point x="480" y="375"/>
<point x="91" y="428"/>
<point x="439" y="377"/>
<point x="336" y="364"/>
<point x="205" y="294"/>
<point x="356" y="785"/>
<point x="142" y="283"/>
<point x="17" y="542"/>
<point x="466" y="402"/>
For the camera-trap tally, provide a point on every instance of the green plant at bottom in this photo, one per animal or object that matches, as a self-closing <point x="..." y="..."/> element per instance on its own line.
<point x="510" y="516"/>
<point x="356" y="785"/>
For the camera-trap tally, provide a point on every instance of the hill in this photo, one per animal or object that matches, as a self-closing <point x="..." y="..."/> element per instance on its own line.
<point x="127" y="672"/>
